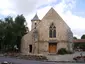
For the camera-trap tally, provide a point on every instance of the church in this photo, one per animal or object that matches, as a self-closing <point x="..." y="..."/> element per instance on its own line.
<point x="47" y="35"/>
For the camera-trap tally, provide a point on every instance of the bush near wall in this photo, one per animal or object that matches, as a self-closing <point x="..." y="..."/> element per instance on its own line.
<point x="62" y="51"/>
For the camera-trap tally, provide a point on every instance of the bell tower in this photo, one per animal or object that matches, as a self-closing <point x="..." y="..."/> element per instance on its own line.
<point x="35" y="22"/>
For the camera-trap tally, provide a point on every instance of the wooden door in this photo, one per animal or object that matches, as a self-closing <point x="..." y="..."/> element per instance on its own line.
<point x="52" y="48"/>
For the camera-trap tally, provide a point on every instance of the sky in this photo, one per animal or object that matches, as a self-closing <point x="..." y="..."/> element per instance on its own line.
<point x="71" y="11"/>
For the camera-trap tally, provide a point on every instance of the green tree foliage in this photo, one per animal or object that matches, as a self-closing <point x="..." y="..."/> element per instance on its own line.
<point x="62" y="51"/>
<point x="80" y="45"/>
<point x="20" y="28"/>
<point x="11" y="32"/>
<point x="2" y="31"/>
<point x="74" y="37"/>
<point x="83" y="36"/>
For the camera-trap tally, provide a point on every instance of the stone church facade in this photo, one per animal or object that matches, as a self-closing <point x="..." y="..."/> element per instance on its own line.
<point x="47" y="36"/>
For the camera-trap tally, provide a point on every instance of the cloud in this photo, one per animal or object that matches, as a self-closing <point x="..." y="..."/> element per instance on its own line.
<point x="24" y="6"/>
<point x="18" y="6"/>
<point x="76" y="23"/>
<point x="5" y="7"/>
<point x="29" y="8"/>
<point x="5" y="4"/>
<point x="78" y="32"/>
<point x="8" y="12"/>
<point x="44" y="3"/>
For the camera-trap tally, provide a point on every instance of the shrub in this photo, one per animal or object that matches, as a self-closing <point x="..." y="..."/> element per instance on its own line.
<point x="69" y="52"/>
<point x="62" y="51"/>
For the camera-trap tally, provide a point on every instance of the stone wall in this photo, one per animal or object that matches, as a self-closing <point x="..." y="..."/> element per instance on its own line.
<point x="63" y="35"/>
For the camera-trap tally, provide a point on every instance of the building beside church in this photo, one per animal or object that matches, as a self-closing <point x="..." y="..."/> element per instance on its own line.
<point x="48" y="35"/>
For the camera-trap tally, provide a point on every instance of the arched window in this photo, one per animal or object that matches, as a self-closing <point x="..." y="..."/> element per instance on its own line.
<point x="52" y="31"/>
<point x="35" y="35"/>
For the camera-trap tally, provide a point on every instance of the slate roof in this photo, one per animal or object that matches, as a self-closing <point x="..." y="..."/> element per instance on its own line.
<point x="35" y="18"/>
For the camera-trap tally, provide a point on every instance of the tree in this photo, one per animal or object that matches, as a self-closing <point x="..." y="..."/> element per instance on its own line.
<point x="74" y="37"/>
<point x="83" y="36"/>
<point x="8" y="36"/>
<point x="20" y="29"/>
<point x="11" y="32"/>
<point x="2" y="35"/>
<point x="80" y="44"/>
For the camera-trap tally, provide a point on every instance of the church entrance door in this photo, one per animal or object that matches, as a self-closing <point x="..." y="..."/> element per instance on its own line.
<point x="52" y="47"/>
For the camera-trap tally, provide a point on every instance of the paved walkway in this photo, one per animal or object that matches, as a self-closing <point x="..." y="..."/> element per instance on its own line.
<point x="67" y="57"/>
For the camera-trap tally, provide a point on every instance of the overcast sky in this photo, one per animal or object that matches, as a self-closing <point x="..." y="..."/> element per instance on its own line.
<point x="72" y="11"/>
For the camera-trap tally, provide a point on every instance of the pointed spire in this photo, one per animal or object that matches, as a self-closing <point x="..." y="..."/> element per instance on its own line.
<point x="35" y="18"/>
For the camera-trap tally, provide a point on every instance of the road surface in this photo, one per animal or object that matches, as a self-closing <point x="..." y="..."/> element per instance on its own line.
<point x="22" y="61"/>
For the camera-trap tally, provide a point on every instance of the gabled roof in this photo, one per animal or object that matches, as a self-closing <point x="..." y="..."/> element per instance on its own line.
<point x="52" y="14"/>
<point x="35" y="18"/>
